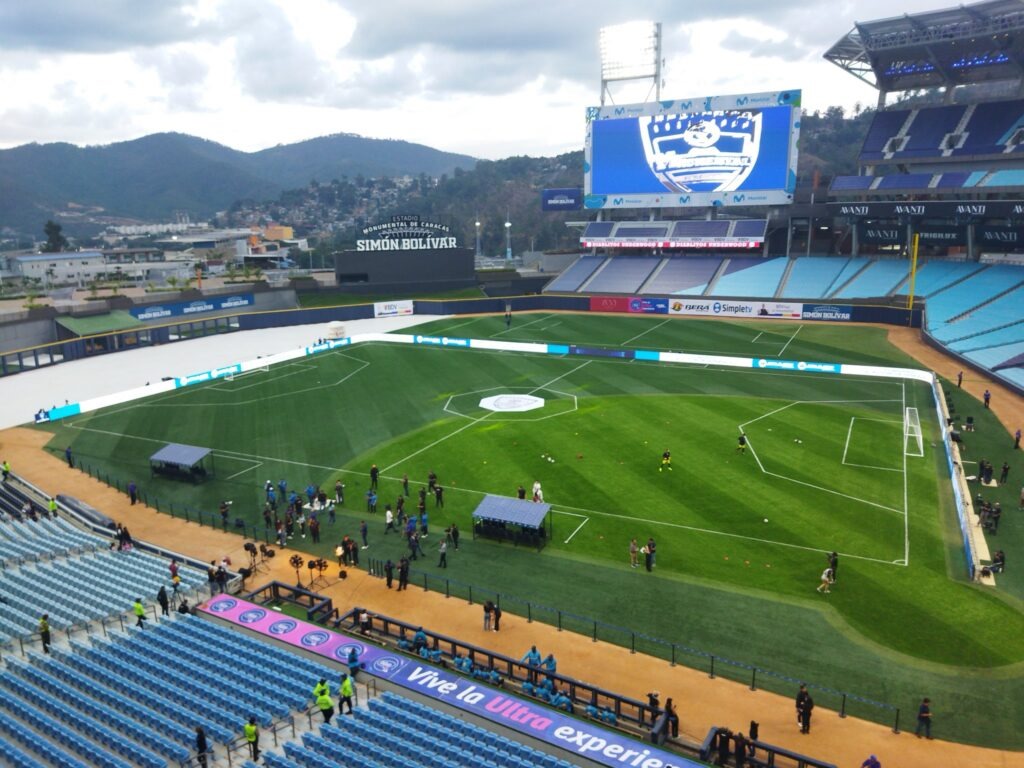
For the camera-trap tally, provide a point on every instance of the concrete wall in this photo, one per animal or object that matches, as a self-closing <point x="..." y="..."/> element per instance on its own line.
<point x="29" y="333"/>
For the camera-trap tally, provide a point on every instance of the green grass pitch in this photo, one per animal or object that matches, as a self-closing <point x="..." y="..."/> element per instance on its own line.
<point x="826" y="467"/>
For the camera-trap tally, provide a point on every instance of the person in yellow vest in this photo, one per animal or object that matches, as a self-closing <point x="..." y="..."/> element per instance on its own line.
<point x="52" y="506"/>
<point x="140" y="613"/>
<point x="6" y="469"/>
<point x="326" y="705"/>
<point x="346" y="694"/>
<point x="321" y="688"/>
<point x="44" y="632"/>
<point x="252" y="737"/>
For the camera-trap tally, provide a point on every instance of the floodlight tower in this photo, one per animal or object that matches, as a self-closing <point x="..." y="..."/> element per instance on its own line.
<point x="631" y="51"/>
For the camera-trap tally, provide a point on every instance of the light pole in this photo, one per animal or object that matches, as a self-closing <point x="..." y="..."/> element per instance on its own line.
<point x="477" y="224"/>
<point x="508" y="239"/>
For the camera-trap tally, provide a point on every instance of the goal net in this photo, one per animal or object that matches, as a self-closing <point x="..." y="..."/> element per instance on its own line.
<point x="232" y="376"/>
<point x="913" y="440"/>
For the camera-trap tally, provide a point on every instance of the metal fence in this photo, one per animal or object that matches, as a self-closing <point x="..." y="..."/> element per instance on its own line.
<point x="843" y="702"/>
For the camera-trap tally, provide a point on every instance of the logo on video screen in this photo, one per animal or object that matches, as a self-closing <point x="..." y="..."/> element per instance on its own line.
<point x="711" y="151"/>
<point x="313" y="639"/>
<point x="252" y="615"/>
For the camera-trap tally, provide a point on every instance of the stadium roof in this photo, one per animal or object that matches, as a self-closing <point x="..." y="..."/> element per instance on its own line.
<point x="976" y="43"/>
<point x="116" y="320"/>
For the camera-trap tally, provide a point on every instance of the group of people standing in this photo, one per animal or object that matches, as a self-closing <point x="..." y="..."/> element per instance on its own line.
<point x="648" y="550"/>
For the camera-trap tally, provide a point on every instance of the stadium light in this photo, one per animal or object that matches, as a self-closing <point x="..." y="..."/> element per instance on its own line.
<point x="630" y="51"/>
<point x="508" y="238"/>
<point x="477" y="224"/>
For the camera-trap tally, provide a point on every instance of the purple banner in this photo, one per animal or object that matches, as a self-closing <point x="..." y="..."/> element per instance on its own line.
<point x="522" y="715"/>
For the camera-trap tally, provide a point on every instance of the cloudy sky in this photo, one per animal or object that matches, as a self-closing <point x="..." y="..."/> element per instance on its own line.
<point x="483" y="77"/>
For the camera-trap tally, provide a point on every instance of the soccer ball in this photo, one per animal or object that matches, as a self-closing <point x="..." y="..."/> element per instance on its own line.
<point x="766" y="519"/>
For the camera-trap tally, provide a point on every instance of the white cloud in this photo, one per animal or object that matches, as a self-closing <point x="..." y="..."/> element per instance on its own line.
<point x="487" y="78"/>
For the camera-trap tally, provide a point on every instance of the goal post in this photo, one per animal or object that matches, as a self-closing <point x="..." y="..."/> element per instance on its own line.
<point x="913" y="440"/>
<point x="234" y="375"/>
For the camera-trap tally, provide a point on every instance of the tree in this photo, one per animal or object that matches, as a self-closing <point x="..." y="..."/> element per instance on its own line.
<point x="55" y="241"/>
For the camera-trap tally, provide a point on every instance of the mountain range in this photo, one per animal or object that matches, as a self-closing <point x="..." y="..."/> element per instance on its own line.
<point x="151" y="177"/>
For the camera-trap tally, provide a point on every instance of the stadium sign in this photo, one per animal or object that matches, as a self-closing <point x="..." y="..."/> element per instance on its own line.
<point x="568" y="199"/>
<point x="407" y="233"/>
<point x="832" y="312"/>
<point x="180" y="308"/>
<point x="946" y="209"/>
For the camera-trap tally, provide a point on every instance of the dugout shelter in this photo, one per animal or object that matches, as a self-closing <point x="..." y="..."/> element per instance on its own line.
<point x="517" y="520"/>
<point x="184" y="462"/>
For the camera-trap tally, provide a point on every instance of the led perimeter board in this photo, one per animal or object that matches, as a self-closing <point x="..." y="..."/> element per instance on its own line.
<point x="706" y="151"/>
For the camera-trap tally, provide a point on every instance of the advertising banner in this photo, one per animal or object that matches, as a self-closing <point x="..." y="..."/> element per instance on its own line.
<point x="713" y="308"/>
<point x="566" y="199"/>
<point x="635" y="305"/>
<point x="833" y="312"/>
<point x="392" y="308"/>
<point x="530" y="718"/>
<point x="942" y="234"/>
<point x="185" y="308"/>
<point x="879" y="233"/>
<point x="796" y="365"/>
<point x="1005" y="238"/>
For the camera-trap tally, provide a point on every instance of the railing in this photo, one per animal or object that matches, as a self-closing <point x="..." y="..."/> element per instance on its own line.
<point x="675" y="653"/>
<point x="636" y="714"/>
<point x="759" y="753"/>
<point x="168" y="507"/>
<point x="241" y="745"/>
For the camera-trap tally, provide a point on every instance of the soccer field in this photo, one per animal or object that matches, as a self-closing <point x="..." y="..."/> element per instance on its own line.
<point x="828" y="468"/>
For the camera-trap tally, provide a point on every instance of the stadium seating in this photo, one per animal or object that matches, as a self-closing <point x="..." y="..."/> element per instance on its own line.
<point x="576" y="274"/>
<point x="1001" y="311"/>
<point x="750" y="277"/>
<point x="879" y="279"/>
<point x="933" y="276"/>
<point x="80" y="588"/>
<point x="988" y="127"/>
<point x="399" y="731"/>
<point x="978" y="288"/>
<point x="623" y="274"/>
<point x="994" y="357"/>
<point x="988" y="131"/>
<point x="684" y="276"/>
<point x="811" y="277"/>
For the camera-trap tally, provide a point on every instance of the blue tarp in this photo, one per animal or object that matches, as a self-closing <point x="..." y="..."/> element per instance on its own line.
<point x="181" y="455"/>
<point x="504" y="509"/>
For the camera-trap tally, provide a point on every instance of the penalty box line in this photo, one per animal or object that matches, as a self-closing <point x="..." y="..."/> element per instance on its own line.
<point x="591" y="512"/>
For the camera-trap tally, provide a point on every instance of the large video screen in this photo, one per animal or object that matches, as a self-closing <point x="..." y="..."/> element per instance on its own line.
<point x="706" y="151"/>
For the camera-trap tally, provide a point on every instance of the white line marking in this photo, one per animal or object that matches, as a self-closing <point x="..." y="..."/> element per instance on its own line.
<point x="477" y="420"/>
<point x="592" y="512"/>
<point x="870" y="466"/>
<point x="643" y="333"/>
<point x="782" y="351"/>
<point x="848" y="433"/>
<point x="257" y="465"/>
<point x="508" y="330"/>
<point x="585" y="521"/>
<point x="185" y="390"/>
<point x="754" y="340"/>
